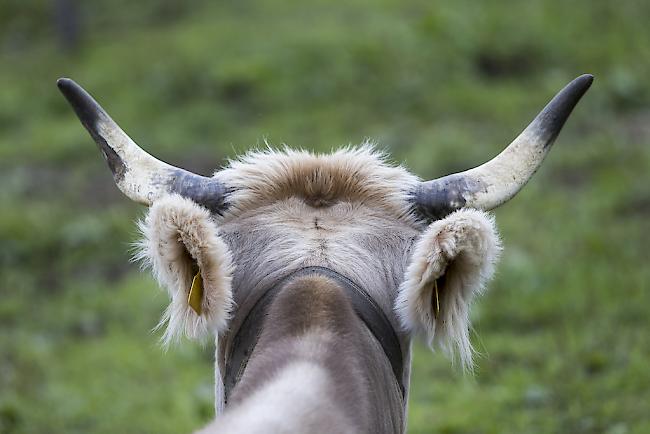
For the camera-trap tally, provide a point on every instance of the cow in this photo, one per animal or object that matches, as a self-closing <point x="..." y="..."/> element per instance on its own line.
<point x="314" y="272"/>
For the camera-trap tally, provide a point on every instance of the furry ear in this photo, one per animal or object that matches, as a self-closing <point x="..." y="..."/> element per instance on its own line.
<point x="179" y="239"/>
<point x="458" y="254"/>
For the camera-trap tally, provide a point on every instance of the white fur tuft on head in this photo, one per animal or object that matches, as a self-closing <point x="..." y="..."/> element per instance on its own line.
<point x="180" y="238"/>
<point x="361" y="174"/>
<point x="460" y="252"/>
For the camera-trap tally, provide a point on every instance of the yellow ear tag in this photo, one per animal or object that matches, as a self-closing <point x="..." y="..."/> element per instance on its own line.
<point x="195" y="296"/>
<point x="435" y="288"/>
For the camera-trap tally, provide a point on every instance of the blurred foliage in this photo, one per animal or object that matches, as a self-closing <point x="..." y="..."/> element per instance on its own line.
<point x="563" y="333"/>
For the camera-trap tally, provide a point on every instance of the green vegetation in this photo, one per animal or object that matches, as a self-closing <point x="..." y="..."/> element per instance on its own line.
<point x="564" y="329"/>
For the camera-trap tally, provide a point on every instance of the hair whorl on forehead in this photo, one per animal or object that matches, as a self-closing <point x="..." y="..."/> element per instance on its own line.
<point x="360" y="174"/>
<point x="179" y="239"/>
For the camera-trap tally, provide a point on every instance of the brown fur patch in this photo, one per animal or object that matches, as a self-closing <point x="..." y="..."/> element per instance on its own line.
<point x="310" y="302"/>
<point x="311" y="320"/>
<point x="355" y="175"/>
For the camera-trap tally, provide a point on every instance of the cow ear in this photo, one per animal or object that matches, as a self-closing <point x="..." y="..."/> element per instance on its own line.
<point x="180" y="243"/>
<point x="451" y="262"/>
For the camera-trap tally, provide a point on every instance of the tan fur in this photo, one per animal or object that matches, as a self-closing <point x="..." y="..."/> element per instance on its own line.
<point x="351" y="388"/>
<point x="316" y="367"/>
<point x="178" y="236"/>
<point x="296" y="399"/>
<point x="351" y="174"/>
<point x="348" y="211"/>
<point x="463" y="248"/>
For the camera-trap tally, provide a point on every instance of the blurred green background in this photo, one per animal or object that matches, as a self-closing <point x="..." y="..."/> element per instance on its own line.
<point x="443" y="86"/>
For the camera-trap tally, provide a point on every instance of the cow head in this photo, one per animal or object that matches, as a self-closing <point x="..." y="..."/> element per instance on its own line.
<point x="421" y="250"/>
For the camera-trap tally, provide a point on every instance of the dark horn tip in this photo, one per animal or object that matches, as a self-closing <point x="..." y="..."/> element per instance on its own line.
<point x="70" y="89"/>
<point x="578" y="86"/>
<point x="67" y="86"/>
<point x="557" y="111"/>
<point x="83" y="104"/>
<point x="63" y="82"/>
<point x="584" y="81"/>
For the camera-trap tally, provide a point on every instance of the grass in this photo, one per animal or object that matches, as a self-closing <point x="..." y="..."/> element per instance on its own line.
<point x="563" y="330"/>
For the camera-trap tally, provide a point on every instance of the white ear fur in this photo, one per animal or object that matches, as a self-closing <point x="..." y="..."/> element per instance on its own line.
<point x="178" y="235"/>
<point x="463" y="247"/>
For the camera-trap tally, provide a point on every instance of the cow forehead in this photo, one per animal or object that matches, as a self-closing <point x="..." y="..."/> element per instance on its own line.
<point x="360" y="175"/>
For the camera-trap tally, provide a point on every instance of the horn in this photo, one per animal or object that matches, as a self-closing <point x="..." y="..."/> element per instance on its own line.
<point x="137" y="174"/>
<point x="497" y="181"/>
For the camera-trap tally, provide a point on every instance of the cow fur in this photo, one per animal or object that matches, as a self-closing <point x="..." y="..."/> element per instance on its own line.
<point x="359" y="174"/>
<point x="315" y="369"/>
<point x="180" y="238"/>
<point x="461" y="251"/>
<point x="349" y="211"/>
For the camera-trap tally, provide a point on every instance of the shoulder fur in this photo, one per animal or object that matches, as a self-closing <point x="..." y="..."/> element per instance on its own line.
<point x="354" y="174"/>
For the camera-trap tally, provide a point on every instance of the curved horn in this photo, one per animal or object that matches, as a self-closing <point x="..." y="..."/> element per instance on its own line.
<point x="137" y="174"/>
<point x="497" y="181"/>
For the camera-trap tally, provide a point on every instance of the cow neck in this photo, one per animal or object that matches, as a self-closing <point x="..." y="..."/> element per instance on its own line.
<point x="245" y="339"/>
